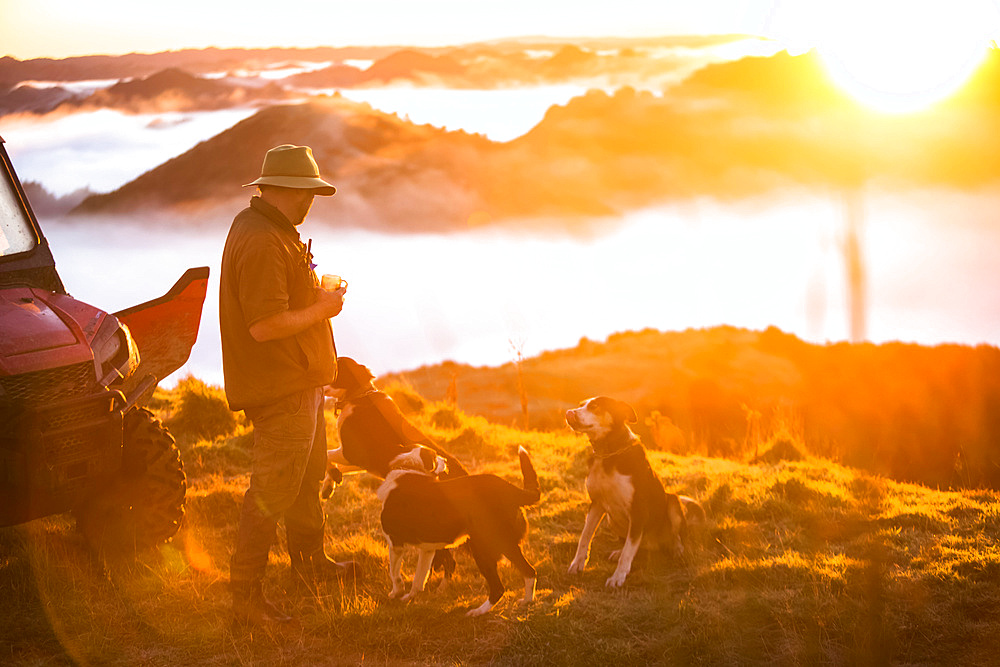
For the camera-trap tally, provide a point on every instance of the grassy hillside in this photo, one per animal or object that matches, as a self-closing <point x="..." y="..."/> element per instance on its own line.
<point x="802" y="562"/>
<point x="905" y="411"/>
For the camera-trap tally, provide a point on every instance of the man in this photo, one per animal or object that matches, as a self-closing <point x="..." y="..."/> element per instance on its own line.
<point x="277" y="354"/>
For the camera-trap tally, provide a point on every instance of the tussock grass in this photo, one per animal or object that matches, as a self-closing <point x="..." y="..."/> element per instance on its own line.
<point x="801" y="562"/>
<point x="195" y="411"/>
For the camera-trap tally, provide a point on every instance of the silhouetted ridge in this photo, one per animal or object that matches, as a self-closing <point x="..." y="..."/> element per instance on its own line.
<point x="906" y="411"/>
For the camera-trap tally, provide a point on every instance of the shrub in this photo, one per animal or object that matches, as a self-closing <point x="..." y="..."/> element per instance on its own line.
<point x="201" y="412"/>
<point x="666" y="435"/>
<point x="467" y="443"/>
<point x="780" y="449"/>
<point x="446" y="417"/>
<point x="408" y="400"/>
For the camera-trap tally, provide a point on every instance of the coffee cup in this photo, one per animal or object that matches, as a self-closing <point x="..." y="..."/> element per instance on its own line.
<point x="332" y="283"/>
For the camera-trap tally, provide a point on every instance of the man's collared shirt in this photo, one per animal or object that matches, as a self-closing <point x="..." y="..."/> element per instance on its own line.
<point x="266" y="271"/>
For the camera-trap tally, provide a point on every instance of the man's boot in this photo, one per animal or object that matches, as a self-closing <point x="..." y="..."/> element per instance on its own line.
<point x="251" y="609"/>
<point x="311" y="565"/>
<point x="327" y="569"/>
<point x="302" y="579"/>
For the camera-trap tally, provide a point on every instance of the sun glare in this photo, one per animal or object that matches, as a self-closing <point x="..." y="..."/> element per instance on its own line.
<point x="895" y="55"/>
<point x="901" y="55"/>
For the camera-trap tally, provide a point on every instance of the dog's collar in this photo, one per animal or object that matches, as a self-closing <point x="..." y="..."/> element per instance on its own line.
<point x="339" y="406"/>
<point x="614" y="448"/>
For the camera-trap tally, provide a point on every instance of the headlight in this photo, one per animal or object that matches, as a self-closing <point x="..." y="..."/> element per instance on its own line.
<point x="115" y="353"/>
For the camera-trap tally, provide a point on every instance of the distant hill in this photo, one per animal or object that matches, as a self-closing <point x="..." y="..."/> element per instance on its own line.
<point x="44" y="203"/>
<point x="910" y="412"/>
<point x="391" y="173"/>
<point x="173" y="89"/>
<point x="197" y="61"/>
<point x="406" y="65"/>
<point x="334" y="76"/>
<point x="408" y="62"/>
<point x="28" y="98"/>
<point x="215" y="60"/>
<point x="599" y="155"/>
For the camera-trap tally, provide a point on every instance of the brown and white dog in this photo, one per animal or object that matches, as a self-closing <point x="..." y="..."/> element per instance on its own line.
<point x="431" y="514"/>
<point x="622" y="485"/>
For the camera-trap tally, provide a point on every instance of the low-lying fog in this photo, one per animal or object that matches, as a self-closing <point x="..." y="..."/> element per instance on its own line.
<point x="481" y="296"/>
<point x="477" y="297"/>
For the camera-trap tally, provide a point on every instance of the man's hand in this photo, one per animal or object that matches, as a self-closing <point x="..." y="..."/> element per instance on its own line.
<point x="331" y="302"/>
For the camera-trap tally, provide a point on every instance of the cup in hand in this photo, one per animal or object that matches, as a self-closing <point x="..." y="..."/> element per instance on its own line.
<point x="332" y="283"/>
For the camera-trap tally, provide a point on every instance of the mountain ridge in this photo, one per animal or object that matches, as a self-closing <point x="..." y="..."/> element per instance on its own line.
<point x="602" y="154"/>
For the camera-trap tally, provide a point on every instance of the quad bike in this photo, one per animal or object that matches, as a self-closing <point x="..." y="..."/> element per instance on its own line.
<point x="74" y="436"/>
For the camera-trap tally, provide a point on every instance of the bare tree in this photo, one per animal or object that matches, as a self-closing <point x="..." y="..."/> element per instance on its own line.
<point x="517" y="347"/>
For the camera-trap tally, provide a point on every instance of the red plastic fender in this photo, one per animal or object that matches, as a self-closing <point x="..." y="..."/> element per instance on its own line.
<point x="165" y="329"/>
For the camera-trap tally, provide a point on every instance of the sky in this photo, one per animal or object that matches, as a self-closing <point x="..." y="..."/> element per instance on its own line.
<point x="61" y="28"/>
<point x="914" y="50"/>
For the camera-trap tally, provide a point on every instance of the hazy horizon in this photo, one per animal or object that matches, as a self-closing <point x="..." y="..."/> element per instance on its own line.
<point x="58" y="29"/>
<point x="752" y="261"/>
<point x="419" y="300"/>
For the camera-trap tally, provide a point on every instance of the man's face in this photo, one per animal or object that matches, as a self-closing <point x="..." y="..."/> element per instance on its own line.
<point x="302" y="205"/>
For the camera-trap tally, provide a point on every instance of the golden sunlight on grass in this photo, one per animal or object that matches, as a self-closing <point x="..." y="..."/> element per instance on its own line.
<point x="196" y="556"/>
<point x="802" y="561"/>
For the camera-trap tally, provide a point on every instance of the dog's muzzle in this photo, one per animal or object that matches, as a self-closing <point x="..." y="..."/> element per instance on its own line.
<point x="440" y="466"/>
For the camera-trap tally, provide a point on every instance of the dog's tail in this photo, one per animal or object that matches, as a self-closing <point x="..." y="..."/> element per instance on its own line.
<point x="694" y="513"/>
<point x="531" y="492"/>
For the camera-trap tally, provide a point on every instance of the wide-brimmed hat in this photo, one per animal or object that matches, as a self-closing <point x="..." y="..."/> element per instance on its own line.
<point x="289" y="166"/>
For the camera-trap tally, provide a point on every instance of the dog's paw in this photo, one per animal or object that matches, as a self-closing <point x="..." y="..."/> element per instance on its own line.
<point x="480" y="610"/>
<point x="616" y="580"/>
<point x="577" y="566"/>
<point x="409" y="596"/>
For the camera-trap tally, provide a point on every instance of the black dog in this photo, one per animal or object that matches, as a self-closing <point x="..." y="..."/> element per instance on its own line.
<point x="420" y="511"/>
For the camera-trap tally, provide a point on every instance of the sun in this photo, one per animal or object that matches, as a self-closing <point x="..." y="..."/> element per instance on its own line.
<point x="898" y="55"/>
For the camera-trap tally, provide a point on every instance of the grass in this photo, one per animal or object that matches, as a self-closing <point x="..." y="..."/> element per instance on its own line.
<point x="802" y="562"/>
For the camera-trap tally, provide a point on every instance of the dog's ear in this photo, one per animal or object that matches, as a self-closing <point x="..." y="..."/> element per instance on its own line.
<point x="343" y="373"/>
<point x="620" y="411"/>
<point x="628" y="413"/>
<point x="350" y="373"/>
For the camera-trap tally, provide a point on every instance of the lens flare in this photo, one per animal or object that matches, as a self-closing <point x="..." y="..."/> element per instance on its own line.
<point x="899" y="56"/>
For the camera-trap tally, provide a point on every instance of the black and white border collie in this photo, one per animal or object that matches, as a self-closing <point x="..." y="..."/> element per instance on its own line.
<point x="484" y="510"/>
<point x="622" y="485"/>
<point x="373" y="431"/>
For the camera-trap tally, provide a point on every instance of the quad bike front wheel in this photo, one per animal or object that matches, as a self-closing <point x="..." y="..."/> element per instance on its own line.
<point x="143" y="506"/>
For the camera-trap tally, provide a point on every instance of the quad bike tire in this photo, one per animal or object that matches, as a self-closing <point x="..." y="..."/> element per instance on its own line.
<point x="143" y="505"/>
